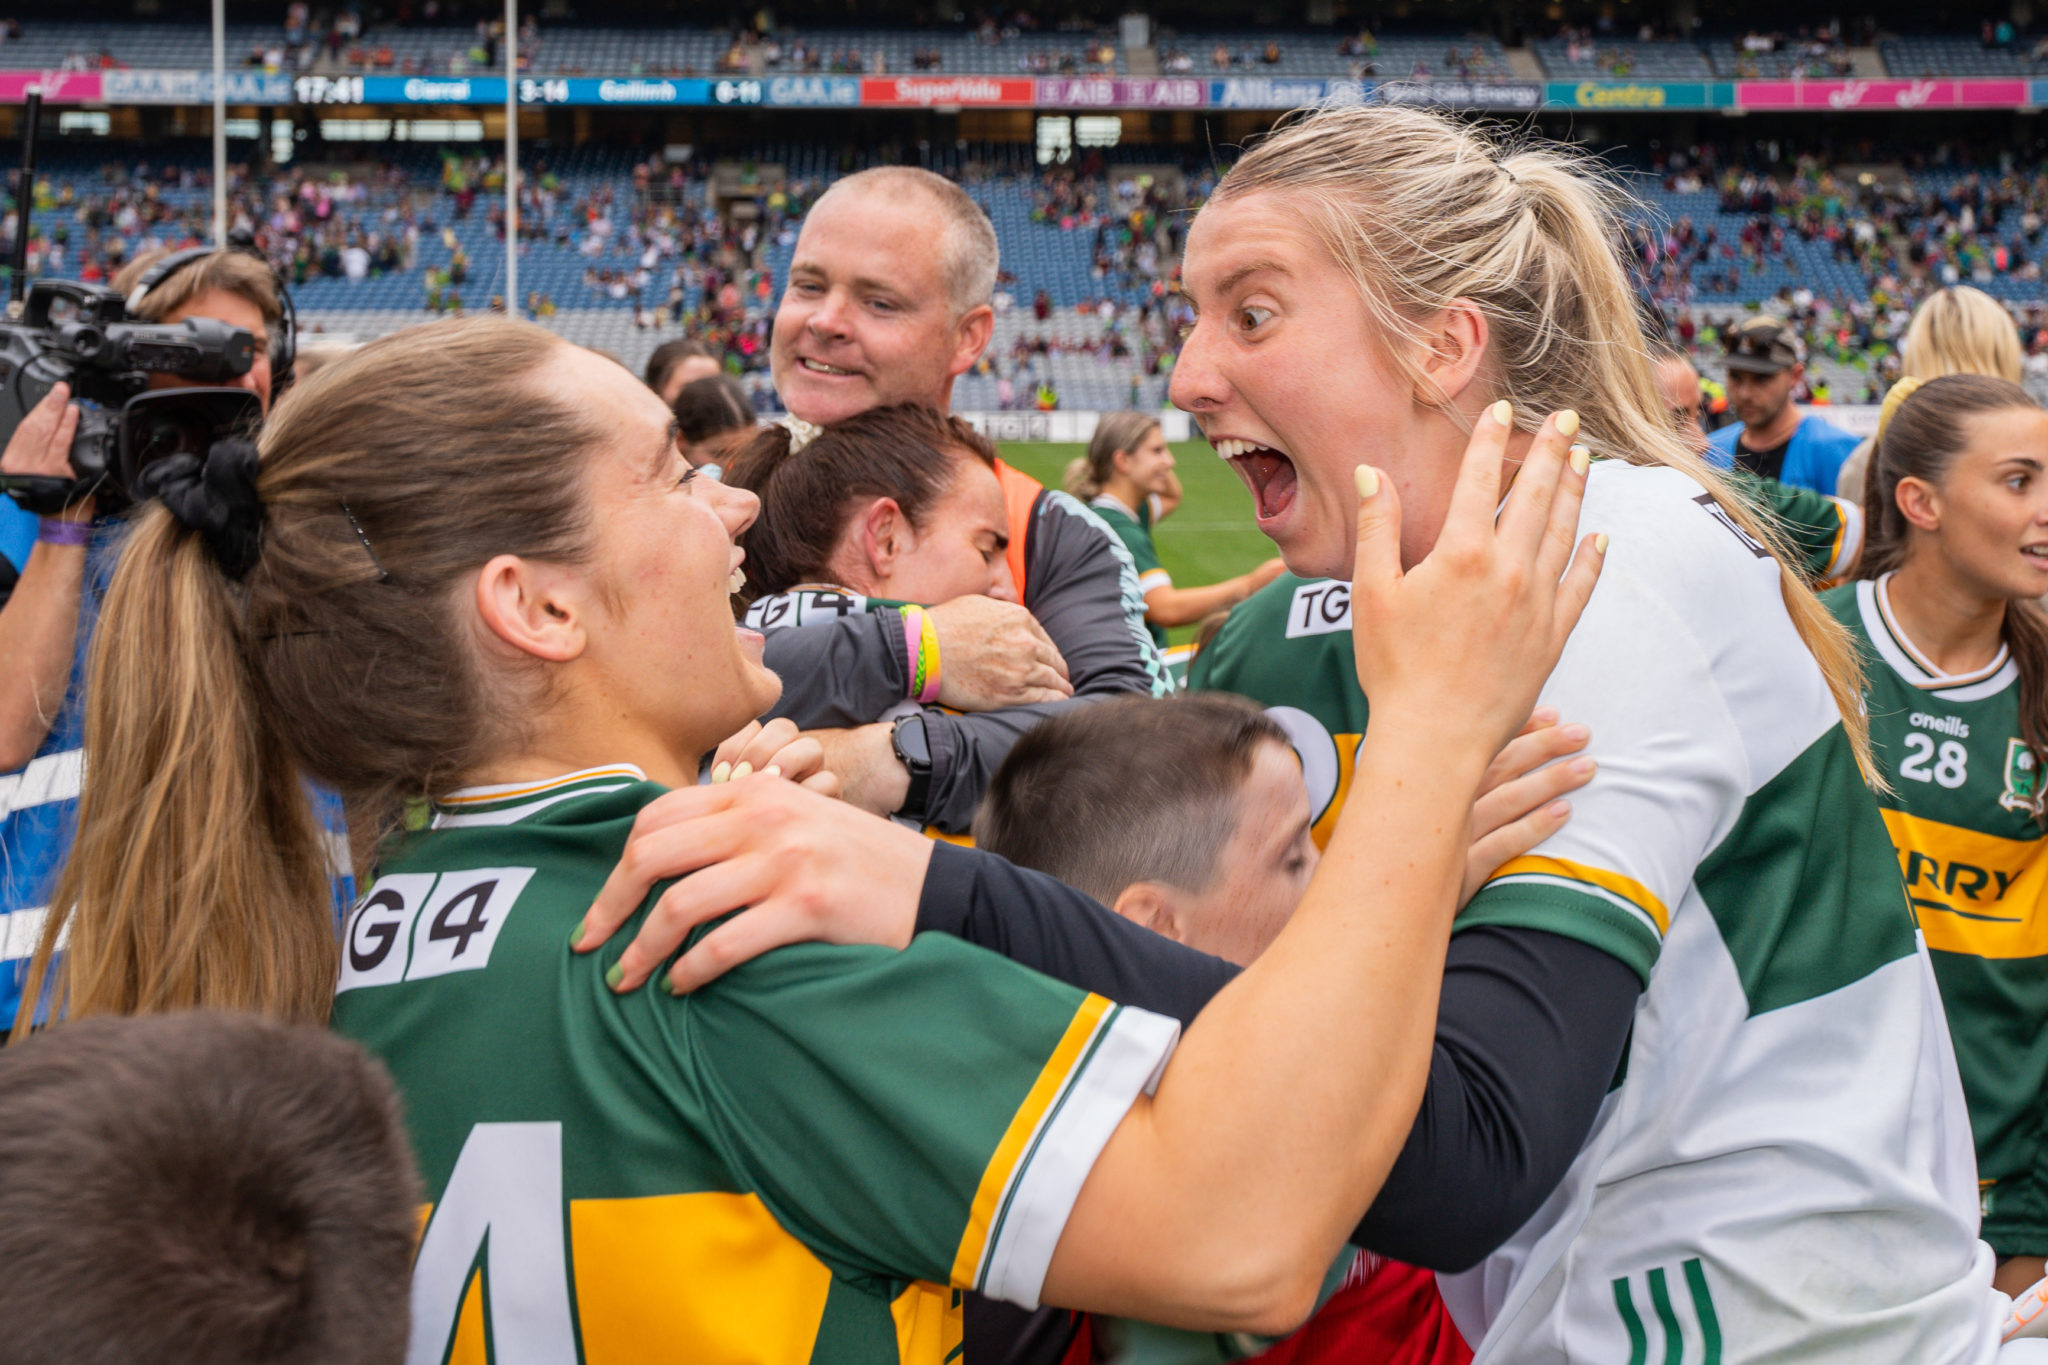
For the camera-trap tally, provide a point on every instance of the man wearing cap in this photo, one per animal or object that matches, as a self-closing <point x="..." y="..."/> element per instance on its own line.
<point x="1771" y="437"/>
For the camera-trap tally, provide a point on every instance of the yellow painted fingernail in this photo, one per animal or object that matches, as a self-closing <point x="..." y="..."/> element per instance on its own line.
<point x="721" y="773"/>
<point x="1504" y="412"/>
<point x="772" y="770"/>
<point x="1368" y="480"/>
<point x="742" y="770"/>
<point x="1567" y="423"/>
<point x="1600" y="543"/>
<point x="1581" y="457"/>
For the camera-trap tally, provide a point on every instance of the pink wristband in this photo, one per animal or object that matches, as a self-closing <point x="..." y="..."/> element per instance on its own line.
<point x="913" y="638"/>
<point x="53" y="531"/>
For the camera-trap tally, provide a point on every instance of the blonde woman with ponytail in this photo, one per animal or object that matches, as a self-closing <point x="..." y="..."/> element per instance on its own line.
<point x="1958" y="330"/>
<point x="1127" y="478"/>
<point x="472" y="580"/>
<point x="1956" y="652"/>
<point x="1692" y="1096"/>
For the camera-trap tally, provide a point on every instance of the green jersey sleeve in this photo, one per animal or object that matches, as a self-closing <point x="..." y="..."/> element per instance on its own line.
<point x="933" y="1110"/>
<point x="1825" y="534"/>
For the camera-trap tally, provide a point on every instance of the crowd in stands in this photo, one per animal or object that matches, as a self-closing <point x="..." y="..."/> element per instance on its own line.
<point x="454" y="38"/>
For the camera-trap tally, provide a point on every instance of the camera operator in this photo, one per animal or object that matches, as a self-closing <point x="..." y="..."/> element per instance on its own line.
<point x="46" y="624"/>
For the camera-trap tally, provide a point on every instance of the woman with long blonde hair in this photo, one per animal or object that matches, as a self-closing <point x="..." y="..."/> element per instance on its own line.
<point x="1693" y="1097"/>
<point x="1958" y="330"/>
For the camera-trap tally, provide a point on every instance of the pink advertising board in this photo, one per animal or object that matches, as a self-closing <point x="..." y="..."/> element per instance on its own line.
<point x="1881" y="94"/>
<point x="59" y="87"/>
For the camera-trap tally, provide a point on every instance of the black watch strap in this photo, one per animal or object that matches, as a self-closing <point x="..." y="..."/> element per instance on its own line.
<point x="913" y="749"/>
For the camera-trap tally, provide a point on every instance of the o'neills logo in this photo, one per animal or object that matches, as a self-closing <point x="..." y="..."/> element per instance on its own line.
<point x="1597" y="95"/>
<point x="952" y="90"/>
<point x="436" y="90"/>
<point x="636" y="92"/>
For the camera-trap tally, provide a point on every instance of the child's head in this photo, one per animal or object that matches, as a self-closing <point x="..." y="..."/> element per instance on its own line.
<point x="1188" y="816"/>
<point x="202" y="1187"/>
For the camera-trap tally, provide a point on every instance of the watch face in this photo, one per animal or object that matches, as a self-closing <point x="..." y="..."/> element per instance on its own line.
<point x="911" y="744"/>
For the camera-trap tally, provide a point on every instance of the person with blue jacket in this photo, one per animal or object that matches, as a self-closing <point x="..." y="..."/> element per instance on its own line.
<point x="1773" y="438"/>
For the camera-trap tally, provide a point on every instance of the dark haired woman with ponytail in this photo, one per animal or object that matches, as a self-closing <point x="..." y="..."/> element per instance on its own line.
<point x="1957" y="689"/>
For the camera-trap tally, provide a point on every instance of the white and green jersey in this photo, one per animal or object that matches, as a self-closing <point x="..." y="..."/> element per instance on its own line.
<point x="1965" y="789"/>
<point x="1783" y="1170"/>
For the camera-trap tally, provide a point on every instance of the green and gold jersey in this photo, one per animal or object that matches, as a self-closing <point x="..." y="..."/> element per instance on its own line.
<point x="803" y="1162"/>
<point x="1824" y="534"/>
<point x="1789" y="1099"/>
<point x="1288" y="647"/>
<point x="1965" y="792"/>
<point x="1135" y="531"/>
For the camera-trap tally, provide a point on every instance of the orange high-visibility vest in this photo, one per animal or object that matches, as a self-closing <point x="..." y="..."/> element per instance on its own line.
<point x="1020" y="498"/>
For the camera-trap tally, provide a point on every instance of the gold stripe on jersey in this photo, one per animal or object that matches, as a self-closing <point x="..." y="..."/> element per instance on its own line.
<point x="1347" y="768"/>
<point x="1009" y="1155"/>
<point x="929" y="1325"/>
<point x="1614" y="883"/>
<point x="513" y="791"/>
<point x="708" y="1277"/>
<point x="470" y="1345"/>
<point x="1973" y="893"/>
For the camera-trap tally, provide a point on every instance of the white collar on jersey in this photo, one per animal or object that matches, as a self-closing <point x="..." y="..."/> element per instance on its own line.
<point x="1881" y="623"/>
<point x="509" y="802"/>
<point x="1114" y="501"/>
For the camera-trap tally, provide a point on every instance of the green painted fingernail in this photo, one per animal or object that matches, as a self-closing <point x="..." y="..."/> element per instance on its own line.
<point x="617" y="974"/>
<point x="668" y="984"/>
<point x="576" y="934"/>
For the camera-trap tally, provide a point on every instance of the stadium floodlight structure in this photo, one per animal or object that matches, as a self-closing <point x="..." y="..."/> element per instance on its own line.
<point x="511" y="157"/>
<point x="220" y="125"/>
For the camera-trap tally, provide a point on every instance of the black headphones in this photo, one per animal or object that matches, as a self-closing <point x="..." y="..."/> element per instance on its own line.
<point x="284" y="337"/>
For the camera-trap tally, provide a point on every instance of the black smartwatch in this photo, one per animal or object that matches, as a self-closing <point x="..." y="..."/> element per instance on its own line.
<point x="914" y="749"/>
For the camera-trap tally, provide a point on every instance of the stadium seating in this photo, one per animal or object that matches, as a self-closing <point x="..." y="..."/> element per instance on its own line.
<point x="1923" y="55"/>
<point x="1318" y="54"/>
<point x="1609" y="60"/>
<point x="1053" y="255"/>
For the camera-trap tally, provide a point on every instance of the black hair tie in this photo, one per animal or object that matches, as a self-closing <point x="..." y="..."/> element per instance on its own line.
<point x="216" y="498"/>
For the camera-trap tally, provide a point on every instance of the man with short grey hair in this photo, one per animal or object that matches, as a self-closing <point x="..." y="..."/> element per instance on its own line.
<point x="888" y="302"/>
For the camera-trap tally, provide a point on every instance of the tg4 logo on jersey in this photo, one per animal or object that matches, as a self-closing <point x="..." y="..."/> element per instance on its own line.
<point x="413" y="925"/>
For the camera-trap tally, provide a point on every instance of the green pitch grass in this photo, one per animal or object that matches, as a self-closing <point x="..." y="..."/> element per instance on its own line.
<point x="1211" y="537"/>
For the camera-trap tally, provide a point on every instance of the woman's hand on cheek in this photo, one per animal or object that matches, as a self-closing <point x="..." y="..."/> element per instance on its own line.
<point x="1462" y="642"/>
<point x="802" y="867"/>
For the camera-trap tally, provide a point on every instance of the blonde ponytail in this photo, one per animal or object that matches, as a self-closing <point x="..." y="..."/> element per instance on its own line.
<point x="1421" y="210"/>
<point x="1080" y="479"/>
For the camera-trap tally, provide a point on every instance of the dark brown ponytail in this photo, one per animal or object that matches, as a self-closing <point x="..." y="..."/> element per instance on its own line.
<point x="1921" y="441"/>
